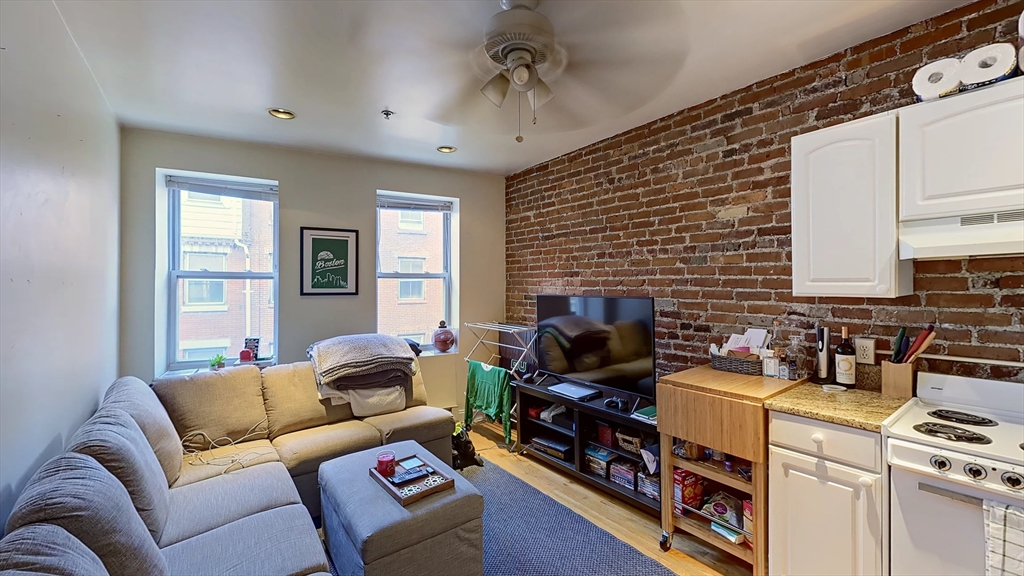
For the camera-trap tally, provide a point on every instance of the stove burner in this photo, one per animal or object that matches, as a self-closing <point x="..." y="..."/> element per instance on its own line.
<point x="953" y="433"/>
<point x="962" y="418"/>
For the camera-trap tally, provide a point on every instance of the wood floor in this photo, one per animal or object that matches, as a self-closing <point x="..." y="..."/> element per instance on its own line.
<point x="636" y="528"/>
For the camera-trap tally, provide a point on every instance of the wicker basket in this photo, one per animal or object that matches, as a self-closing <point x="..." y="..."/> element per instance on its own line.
<point x="737" y="365"/>
<point x="629" y="443"/>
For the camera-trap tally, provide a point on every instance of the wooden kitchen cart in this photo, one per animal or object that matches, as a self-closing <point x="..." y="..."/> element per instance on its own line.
<point x="722" y="411"/>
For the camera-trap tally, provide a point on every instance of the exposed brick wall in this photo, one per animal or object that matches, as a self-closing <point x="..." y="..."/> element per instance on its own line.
<point x="693" y="209"/>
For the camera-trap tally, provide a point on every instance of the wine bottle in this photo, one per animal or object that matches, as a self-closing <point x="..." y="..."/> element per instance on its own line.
<point x="846" y="361"/>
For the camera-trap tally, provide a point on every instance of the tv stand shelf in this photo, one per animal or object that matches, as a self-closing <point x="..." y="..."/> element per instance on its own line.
<point x="584" y="416"/>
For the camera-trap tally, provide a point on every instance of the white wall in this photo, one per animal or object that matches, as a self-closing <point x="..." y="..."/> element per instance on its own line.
<point x="58" y="242"/>
<point x="315" y="190"/>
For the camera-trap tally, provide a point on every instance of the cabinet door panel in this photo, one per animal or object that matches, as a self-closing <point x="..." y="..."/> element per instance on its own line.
<point x="823" y="518"/>
<point x="964" y="154"/>
<point x="844" y="210"/>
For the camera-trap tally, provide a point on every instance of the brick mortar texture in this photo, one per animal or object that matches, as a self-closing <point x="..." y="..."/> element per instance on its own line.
<point x="693" y="210"/>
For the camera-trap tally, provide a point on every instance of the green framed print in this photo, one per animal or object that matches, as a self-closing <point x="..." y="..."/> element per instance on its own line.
<point x="329" y="266"/>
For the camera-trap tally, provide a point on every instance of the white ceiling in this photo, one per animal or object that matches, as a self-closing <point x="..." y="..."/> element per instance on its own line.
<point x="213" y="68"/>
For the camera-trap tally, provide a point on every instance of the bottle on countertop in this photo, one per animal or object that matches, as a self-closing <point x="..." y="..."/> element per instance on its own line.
<point x="846" y="361"/>
<point x="796" y="357"/>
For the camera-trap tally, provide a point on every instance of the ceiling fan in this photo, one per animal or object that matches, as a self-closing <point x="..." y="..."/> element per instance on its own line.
<point x="519" y="40"/>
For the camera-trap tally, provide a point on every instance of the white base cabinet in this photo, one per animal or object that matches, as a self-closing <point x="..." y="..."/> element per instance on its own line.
<point x="824" y="518"/>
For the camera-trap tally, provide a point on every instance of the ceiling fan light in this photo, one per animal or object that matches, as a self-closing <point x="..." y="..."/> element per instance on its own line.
<point x="496" y="89"/>
<point x="540" y="95"/>
<point x="521" y="75"/>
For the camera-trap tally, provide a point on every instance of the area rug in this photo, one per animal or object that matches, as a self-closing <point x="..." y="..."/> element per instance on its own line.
<point x="527" y="533"/>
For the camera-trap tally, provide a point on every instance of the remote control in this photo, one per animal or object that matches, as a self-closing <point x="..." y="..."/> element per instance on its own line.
<point x="410" y="475"/>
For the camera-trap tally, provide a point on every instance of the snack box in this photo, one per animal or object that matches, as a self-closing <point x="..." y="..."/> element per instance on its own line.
<point x="687" y="488"/>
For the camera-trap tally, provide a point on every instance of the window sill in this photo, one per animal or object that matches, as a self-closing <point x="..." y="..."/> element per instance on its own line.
<point x="204" y="308"/>
<point x="432" y="353"/>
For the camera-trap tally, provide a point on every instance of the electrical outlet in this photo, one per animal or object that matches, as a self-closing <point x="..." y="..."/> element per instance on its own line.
<point x="865" y="350"/>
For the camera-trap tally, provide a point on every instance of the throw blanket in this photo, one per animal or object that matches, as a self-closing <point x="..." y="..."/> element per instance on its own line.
<point x="359" y="354"/>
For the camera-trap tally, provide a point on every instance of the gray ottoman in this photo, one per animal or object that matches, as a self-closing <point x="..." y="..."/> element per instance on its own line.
<point x="369" y="533"/>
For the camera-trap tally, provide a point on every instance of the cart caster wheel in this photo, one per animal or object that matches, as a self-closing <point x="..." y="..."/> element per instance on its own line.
<point x="666" y="541"/>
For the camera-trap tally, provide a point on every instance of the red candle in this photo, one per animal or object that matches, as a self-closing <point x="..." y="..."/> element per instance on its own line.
<point x="386" y="463"/>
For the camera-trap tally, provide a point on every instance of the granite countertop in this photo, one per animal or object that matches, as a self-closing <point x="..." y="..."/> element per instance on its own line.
<point x="857" y="408"/>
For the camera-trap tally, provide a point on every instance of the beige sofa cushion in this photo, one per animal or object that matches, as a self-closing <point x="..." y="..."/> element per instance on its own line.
<point x="225" y="460"/>
<point x="47" y="549"/>
<point x="292" y="403"/>
<point x="303" y="451"/>
<point x="278" y="541"/>
<point x="226" y="404"/>
<point x="419" y="390"/>
<point x="203" y="506"/>
<point x="112" y="438"/>
<point x="137" y="399"/>
<point x="75" y="492"/>
<point x="422" y="424"/>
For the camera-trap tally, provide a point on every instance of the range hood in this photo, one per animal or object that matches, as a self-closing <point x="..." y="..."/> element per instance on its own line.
<point x="993" y="234"/>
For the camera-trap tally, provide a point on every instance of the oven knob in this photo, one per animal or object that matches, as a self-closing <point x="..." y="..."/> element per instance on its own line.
<point x="975" y="471"/>
<point x="940" y="463"/>
<point x="1013" y="480"/>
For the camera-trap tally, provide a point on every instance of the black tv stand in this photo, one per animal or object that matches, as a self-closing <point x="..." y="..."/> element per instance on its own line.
<point x="577" y="427"/>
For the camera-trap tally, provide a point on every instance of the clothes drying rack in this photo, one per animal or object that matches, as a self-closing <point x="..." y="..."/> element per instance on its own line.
<point x="482" y="332"/>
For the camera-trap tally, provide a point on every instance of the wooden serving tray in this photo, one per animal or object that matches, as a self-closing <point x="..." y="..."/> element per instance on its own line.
<point x="416" y="490"/>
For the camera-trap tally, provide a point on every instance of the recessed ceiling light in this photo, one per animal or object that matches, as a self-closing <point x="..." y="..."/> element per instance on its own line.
<point x="446" y="149"/>
<point x="281" y="113"/>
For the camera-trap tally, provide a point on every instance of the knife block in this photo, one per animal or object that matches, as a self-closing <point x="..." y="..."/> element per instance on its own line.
<point x="897" y="379"/>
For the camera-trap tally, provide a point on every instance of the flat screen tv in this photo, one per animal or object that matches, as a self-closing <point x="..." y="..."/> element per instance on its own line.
<point x="601" y="340"/>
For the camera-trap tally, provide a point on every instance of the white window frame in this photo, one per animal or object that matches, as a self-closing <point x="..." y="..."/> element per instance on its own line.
<point x="423" y="204"/>
<point x="177" y="188"/>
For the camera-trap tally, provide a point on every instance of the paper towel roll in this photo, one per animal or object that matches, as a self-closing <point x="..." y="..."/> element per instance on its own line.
<point x="938" y="79"/>
<point x="988" y="64"/>
<point x="1020" y="59"/>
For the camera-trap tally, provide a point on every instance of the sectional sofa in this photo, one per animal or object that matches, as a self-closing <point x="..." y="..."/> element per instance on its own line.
<point x="126" y="499"/>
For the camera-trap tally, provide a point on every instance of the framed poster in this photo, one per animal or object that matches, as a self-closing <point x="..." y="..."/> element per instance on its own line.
<point x="328" y="259"/>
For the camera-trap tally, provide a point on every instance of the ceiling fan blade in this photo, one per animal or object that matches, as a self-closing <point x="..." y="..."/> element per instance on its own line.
<point x="540" y="95"/>
<point x="496" y="89"/>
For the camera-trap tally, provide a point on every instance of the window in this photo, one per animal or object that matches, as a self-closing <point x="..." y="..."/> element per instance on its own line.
<point x="200" y="197"/>
<point x="414" y="281"/>
<point x="410" y="220"/>
<point x="203" y="354"/>
<point x="410" y="290"/>
<point x="205" y="292"/>
<point x="411" y="265"/>
<point x="222" y="269"/>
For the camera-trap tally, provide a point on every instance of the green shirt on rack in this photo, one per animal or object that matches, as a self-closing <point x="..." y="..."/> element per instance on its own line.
<point x="489" y="389"/>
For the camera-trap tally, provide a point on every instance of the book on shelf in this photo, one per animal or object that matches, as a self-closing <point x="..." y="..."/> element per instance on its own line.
<point x="648" y="414"/>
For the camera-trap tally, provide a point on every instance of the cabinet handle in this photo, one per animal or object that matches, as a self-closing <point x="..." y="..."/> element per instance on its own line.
<point x="866" y="482"/>
<point x="817" y="438"/>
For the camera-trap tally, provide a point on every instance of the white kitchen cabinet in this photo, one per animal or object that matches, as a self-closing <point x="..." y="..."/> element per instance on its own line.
<point x="964" y="154"/>
<point x="843" y="202"/>
<point x="823" y="518"/>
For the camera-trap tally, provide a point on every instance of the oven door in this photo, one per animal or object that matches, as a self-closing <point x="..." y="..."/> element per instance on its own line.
<point x="936" y="526"/>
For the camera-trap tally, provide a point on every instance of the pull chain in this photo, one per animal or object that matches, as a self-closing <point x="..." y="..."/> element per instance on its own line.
<point x="519" y="108"/>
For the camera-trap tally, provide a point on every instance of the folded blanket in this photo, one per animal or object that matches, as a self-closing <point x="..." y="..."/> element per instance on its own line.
<point x="357" y="355"/>
<point x="382" y="379"/>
